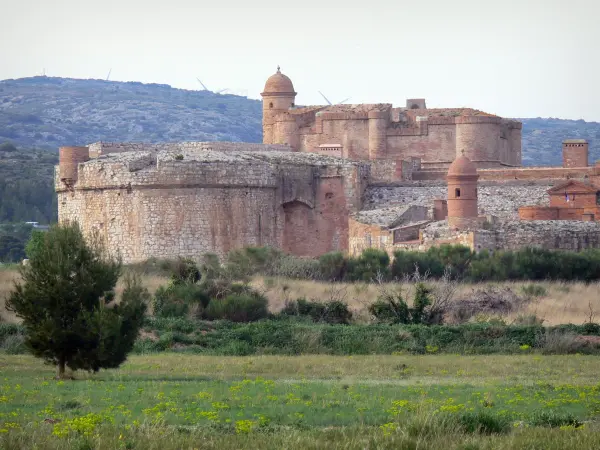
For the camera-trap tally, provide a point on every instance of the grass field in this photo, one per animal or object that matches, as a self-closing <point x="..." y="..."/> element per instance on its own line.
<point x="174" y="401"/>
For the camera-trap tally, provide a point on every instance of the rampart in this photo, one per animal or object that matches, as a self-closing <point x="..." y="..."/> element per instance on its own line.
<point x="187" y="202"/>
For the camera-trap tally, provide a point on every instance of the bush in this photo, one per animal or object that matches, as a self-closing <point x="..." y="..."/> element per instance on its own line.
<point x="332" y="266"/>
<point x="372" y="265"/>
<point x="185" y="271"/>
<point x="238" y="307"/>
<point x="179" y="300"/>
<point x="391" y="307"/>
<point x="290" y="266"/>
<point x="332" y="312"/>
<point x="483" y="422"/>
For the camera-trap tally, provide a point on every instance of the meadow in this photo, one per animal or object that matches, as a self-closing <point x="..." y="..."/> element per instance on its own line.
<point x="176" y="401"/>
<point x="490" y="383"/>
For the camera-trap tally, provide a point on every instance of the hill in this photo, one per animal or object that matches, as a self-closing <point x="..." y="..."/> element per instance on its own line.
<point x="542" y="139"/>
<point x="47" y="112"/>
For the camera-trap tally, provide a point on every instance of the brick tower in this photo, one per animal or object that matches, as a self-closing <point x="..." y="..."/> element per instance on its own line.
<point x="462" y="194"/>
<point x="278" y="96"/>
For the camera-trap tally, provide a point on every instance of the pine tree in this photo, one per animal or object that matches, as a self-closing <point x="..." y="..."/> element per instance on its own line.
<point x="66" y="300"/>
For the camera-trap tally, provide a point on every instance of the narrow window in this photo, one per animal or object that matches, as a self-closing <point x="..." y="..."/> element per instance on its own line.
<point x="271" y="105"/>
<point x="457" y="193"/>
<point x="292" y="105"/>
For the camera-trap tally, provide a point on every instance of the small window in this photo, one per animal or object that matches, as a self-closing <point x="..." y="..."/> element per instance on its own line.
<point x="598" y="198"/>
<point x="457" y="193"/>
<point x="293" y="105"/>
<point x="270" y="105"/>
<point x="414" y="106"/>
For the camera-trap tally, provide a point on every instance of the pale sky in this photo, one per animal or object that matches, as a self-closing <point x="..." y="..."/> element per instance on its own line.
<point x="514" y="58"/>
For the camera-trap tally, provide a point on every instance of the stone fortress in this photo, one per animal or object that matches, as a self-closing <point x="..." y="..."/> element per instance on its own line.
<point x="337" y="177"/>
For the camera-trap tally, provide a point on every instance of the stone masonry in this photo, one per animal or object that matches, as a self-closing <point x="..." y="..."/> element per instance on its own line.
<point x="187" y="202"/>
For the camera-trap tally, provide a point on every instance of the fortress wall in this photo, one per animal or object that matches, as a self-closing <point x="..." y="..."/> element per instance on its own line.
<point x="313" y="231"/>
<point x="187" y="208"/>
<point x="166" y="223"/>
<point x="438" y="145"/>
<point x="353" y="135"/>
<point x="480" y="141"/>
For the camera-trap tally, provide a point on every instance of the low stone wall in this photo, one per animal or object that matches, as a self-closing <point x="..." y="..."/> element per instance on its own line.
<point x="514" y="235"/>
<point x="510" y="174"/>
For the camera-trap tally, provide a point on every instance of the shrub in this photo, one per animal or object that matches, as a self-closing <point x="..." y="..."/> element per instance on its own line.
<point x="238" y="307"/>
<point x="332" y="312"/>
<point x="483" y="422"/>
<point x="185" y="271"/>
<point x="372" y="265"/>
<point x="332" y="266"/>
<point x="391" y="307"/>
<point x="290" y="266"/>
<point x="178" y="300"/>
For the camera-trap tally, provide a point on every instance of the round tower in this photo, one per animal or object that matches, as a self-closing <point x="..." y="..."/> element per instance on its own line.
<point x="68" y="162"/>
<point x="462" y="193"/>
<point x="378" y="123"/>
<point x="278" y="96"/>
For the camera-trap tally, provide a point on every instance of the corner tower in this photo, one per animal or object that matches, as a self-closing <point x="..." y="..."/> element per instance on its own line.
<point x="278" y="96"/>
<point x="462" y="193"/>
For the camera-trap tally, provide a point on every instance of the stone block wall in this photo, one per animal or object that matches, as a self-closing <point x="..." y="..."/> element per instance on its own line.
<point x="150" y="204"/>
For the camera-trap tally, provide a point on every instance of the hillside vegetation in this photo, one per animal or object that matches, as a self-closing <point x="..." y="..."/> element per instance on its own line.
<point x="47" y="112"/>
<point x="26" y="189"/>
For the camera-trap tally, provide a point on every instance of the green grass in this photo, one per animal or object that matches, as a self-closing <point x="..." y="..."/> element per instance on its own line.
<point x="189" y="401"/>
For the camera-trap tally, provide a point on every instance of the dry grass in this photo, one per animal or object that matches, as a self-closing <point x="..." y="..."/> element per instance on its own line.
<point x="7" y="278"/>
<point x="563" y="302"/>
